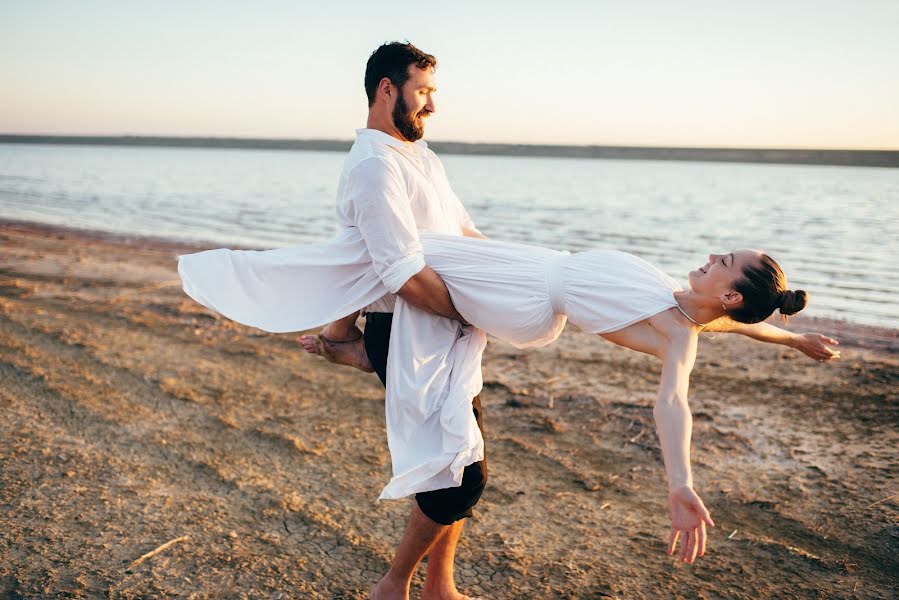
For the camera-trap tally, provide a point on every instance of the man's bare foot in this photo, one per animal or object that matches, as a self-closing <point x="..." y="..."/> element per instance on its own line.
<point x="388" y="589"/>
<point x="349" y="351"/>
<point x="446" y="594"/>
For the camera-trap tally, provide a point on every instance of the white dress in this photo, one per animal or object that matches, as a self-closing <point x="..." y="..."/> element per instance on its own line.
<point x="519" y="293"/>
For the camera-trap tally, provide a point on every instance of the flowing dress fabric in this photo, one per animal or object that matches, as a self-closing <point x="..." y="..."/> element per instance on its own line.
<point x="503" y="288"/>
<point x="433" y="369"/>
<point x="287" y="289"/>
<point x="519" y="293"/>
<point x="607" y="290"/>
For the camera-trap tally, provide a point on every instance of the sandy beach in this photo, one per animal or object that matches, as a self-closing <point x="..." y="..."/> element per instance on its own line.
<point x="133" y="417"/>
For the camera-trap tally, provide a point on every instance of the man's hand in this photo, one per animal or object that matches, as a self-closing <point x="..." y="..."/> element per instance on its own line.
<point x="689" y="517"/>
<point x="815" y="345"/>
<point x="473" y="233"/>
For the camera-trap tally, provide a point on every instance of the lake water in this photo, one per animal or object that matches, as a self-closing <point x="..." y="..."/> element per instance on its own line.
<point x="835" y="230"/>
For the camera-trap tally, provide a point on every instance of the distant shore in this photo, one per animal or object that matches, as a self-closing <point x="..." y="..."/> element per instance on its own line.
<point x="858" y="158"/>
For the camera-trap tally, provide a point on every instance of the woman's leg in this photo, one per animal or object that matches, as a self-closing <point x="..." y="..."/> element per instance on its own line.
<point x="343" y="329"/>
<point x="340" y="342"/>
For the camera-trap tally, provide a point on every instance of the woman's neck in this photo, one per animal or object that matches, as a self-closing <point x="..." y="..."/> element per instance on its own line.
<point x="700" y="310"/>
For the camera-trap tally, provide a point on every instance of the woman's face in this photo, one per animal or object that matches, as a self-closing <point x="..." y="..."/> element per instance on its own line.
<point x="716" y="278"/>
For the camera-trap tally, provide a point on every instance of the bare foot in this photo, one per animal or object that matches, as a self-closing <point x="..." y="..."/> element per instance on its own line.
<point x="349" y="352"/>
<point x="446" y="595"/>
<point x="388" y="589"/>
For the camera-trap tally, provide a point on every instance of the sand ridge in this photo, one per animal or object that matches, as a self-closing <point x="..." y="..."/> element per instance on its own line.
<point x="134" y="417"/>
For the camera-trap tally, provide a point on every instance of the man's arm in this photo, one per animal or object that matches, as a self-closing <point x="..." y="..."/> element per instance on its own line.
<point x="426" y="291"/>
<point x="813" y="345"/>
<point x="383" y="214"/>
<point x="473" y="233"/>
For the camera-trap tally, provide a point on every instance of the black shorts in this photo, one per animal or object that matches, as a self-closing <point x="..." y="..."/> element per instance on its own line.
<point x="441" y="506"/>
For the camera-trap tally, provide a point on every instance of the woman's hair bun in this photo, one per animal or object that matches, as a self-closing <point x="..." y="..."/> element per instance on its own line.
<point x="791" y="302"/>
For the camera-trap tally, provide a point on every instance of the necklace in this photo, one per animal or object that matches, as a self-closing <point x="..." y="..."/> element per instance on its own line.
<point x="677" y="304"/>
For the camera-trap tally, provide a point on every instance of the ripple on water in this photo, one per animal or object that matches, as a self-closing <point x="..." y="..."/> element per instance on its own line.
<point x="833" y="229"/>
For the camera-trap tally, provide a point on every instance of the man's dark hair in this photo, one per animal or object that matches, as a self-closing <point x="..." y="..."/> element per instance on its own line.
<point x="392" y="61"/>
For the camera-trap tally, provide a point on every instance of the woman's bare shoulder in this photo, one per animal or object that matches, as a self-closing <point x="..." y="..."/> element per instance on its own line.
<point x="653" y="335"/>
<point x="672" y="324"/>
<point x="680" y="336"/>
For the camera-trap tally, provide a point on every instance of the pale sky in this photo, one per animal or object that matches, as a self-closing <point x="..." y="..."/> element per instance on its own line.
<point x="785" y="73"/>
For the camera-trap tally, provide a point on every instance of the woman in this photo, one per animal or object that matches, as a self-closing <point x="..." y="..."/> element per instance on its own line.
<point x="519" y="293"/>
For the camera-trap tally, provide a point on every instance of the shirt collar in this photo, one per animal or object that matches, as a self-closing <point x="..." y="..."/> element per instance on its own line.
<point x="386" y="138"/>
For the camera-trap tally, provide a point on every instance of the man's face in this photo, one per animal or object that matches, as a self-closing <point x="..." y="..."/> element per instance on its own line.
<point x="414" y="103"/>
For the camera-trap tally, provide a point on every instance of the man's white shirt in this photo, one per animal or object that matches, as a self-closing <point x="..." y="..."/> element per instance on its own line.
<point x="390" y="189"/>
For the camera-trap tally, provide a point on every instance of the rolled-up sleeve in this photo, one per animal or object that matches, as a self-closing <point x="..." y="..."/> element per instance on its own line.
<point x="383" y="214"/>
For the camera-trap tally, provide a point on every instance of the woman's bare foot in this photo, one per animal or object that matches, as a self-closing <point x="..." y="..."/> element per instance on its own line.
<point x="341" y="351"/>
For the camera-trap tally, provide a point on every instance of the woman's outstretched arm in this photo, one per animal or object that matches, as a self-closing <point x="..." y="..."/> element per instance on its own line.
<point x="814" y="345"/>
<point x="674" y="425"/>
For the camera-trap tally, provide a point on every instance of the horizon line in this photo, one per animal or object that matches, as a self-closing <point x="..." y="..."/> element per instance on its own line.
<point x="786" y="155"/>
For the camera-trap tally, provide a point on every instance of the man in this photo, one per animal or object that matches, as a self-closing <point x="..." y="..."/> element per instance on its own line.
<point x="392" y="185"/>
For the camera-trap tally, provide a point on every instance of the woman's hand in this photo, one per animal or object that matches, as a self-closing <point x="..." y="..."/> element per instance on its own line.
<point x="815" y="345"/>
<point x="688" y="520"/>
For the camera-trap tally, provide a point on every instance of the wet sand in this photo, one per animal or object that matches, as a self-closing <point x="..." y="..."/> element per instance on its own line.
<point x="133" y="417"/>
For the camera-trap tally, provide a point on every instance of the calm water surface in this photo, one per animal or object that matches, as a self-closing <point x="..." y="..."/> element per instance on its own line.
<point x="835" y="230"/>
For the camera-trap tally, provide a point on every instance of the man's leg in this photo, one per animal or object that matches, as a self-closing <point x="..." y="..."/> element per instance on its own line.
<point x="452" y="505"/>
<point x="421" y="532"/>
<point x="419" y="537"/>
<point x="440" y="581"/>
<point x="425" y="535"/>
<point x="376" y="342"/>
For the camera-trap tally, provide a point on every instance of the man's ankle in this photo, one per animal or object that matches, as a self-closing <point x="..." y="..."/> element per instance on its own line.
<point x="443" y="587"/>
<point x="439" y="593"/>
<point x="391" y="586"/>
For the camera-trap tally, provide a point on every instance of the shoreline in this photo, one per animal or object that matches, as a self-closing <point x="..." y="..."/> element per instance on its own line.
<point x="847" y="332"/>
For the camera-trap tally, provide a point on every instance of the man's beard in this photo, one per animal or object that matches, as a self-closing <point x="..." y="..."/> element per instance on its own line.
<point x="410" y="126"/>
